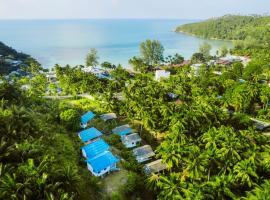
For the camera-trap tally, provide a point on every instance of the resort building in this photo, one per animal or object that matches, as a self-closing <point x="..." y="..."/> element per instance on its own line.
<point x="95" y="148"/>
<point x="102" y="163"/>
<point x="108" y="116"/>
<point x="131" y="140"/>
<point x="122" y="130"/>
<point x="86" y="118"/>
<point x="143" y="153"/>
<point x="89" y="134"/>
<point x="161" y="74"/>
<point x="154" y="167"/>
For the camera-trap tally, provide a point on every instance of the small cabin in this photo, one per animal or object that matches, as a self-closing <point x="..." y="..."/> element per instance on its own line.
<point x="95" y="148"/>
<point x="143" y="153"/>
<point x="154" y="167"/>
<point x="86" y="118"/>
<point x="102" y="164"/>
<point x="131" y="140"/>
<point x="89" y="134"/>
<point x="122" y="130"/>
<point x="108" y="116"/>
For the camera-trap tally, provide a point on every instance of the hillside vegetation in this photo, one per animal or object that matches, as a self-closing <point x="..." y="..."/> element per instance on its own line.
<point x="232" y="27"/>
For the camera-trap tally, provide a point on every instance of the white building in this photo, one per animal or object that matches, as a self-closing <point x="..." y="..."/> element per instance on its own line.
<point x="131" y="140"/>
<point x="161" y="74"/>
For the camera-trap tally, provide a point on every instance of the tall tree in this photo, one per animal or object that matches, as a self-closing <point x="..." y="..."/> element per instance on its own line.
<point x="205" y="49"/>
<point x="152" y="52"/>
<point x="92" y="58"/>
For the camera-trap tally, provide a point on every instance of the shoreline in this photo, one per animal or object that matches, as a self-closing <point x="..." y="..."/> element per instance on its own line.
<point x="191" y="34"/>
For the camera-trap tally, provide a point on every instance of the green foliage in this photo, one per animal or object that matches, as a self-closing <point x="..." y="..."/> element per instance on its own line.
<point x="70" y="118"/>
<point x="92" y="58"/>
<point x="152" y="52"/>
<point x="138" y="64"/>
<point x="252" y="29"/>
<point x="205" y="49"/>
<point x="197" y="58"/>
<point x="108" y="65"/>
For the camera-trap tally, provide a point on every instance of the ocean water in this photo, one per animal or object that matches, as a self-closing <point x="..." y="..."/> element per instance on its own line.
<point x="68" y="41"/>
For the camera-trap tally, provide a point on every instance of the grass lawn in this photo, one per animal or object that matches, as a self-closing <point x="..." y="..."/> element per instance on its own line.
<point x="114" y="181"/>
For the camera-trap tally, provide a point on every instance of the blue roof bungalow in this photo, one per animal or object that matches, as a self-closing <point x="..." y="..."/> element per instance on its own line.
<point x="89" y="134"/>
<point x="95" y="148"/>
<point x="122" y="130"/>
<point x="102" y="163"/>
<point x="86" y="118"/>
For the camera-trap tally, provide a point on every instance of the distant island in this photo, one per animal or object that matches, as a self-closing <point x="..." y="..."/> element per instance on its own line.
<point x="231" y="27"/>
<point x="12" y="60"/>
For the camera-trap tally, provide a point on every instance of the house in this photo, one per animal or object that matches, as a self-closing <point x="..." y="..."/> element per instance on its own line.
<point x="51" y="77"/>
<point x="131" y="140"/>
<point x="154" y="167"/>
<point x="161" y="74"/>
<point x="86" y="118"/>
<point x="122" y="130"/>
<point x="102" y="163"/>
<point x="89" y="134"/>
<point x="108" y="116"/>
<point x="95" y="148"/>
<point x="143" y="153"/>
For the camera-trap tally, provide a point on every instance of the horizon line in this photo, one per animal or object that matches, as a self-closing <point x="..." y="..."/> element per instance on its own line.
<point x="25" y="19"/>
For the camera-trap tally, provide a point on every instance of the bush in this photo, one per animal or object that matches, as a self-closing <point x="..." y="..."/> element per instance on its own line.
<point x="70" y="119"/>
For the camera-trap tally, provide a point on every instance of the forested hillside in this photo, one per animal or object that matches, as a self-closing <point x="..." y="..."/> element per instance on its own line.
<point x="232" y="27"/>
<point x="11" y="60"/>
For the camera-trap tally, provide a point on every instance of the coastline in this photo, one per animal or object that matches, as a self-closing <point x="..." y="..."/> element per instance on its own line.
<point x="198" y="36"/>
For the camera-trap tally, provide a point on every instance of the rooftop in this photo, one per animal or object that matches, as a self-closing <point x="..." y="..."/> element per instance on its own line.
<point x="102" y="161"/>
<point x="95" y="148"/>
<point x="108" y="116"/>
<point x="155" y="166"/>
<point x="143" y="152"/>
<point x="89" y="134"/>
<point x="134" y="137"/>
<point x="87" y="117"/>
<point x="122" y="130"/>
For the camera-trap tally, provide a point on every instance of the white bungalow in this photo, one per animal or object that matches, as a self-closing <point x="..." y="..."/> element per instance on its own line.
<point x="102" y="164"/>
<point x="131" y="140"/>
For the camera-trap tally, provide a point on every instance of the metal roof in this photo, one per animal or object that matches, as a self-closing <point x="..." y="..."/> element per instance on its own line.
<point x="134" y="137"/>
<point x="108" y="116"/>
<point x="89" y="134"/>
<point x="155" y="166"/>
<point x="143" y="152"/>
<point x="87" y="117"/>
<point x="95" y="148"/>
<point x="102" y="161"/>
<point x="122" y="130"/>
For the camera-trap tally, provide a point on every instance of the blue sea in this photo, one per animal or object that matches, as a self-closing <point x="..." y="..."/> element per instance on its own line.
<point x="68" y="41"/>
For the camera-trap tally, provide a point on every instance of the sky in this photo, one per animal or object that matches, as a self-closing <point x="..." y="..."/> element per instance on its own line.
<point x="161" y="9"/>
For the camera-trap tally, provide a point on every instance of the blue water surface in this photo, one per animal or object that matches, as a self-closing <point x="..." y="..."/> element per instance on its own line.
<point x="68" y="41"/>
